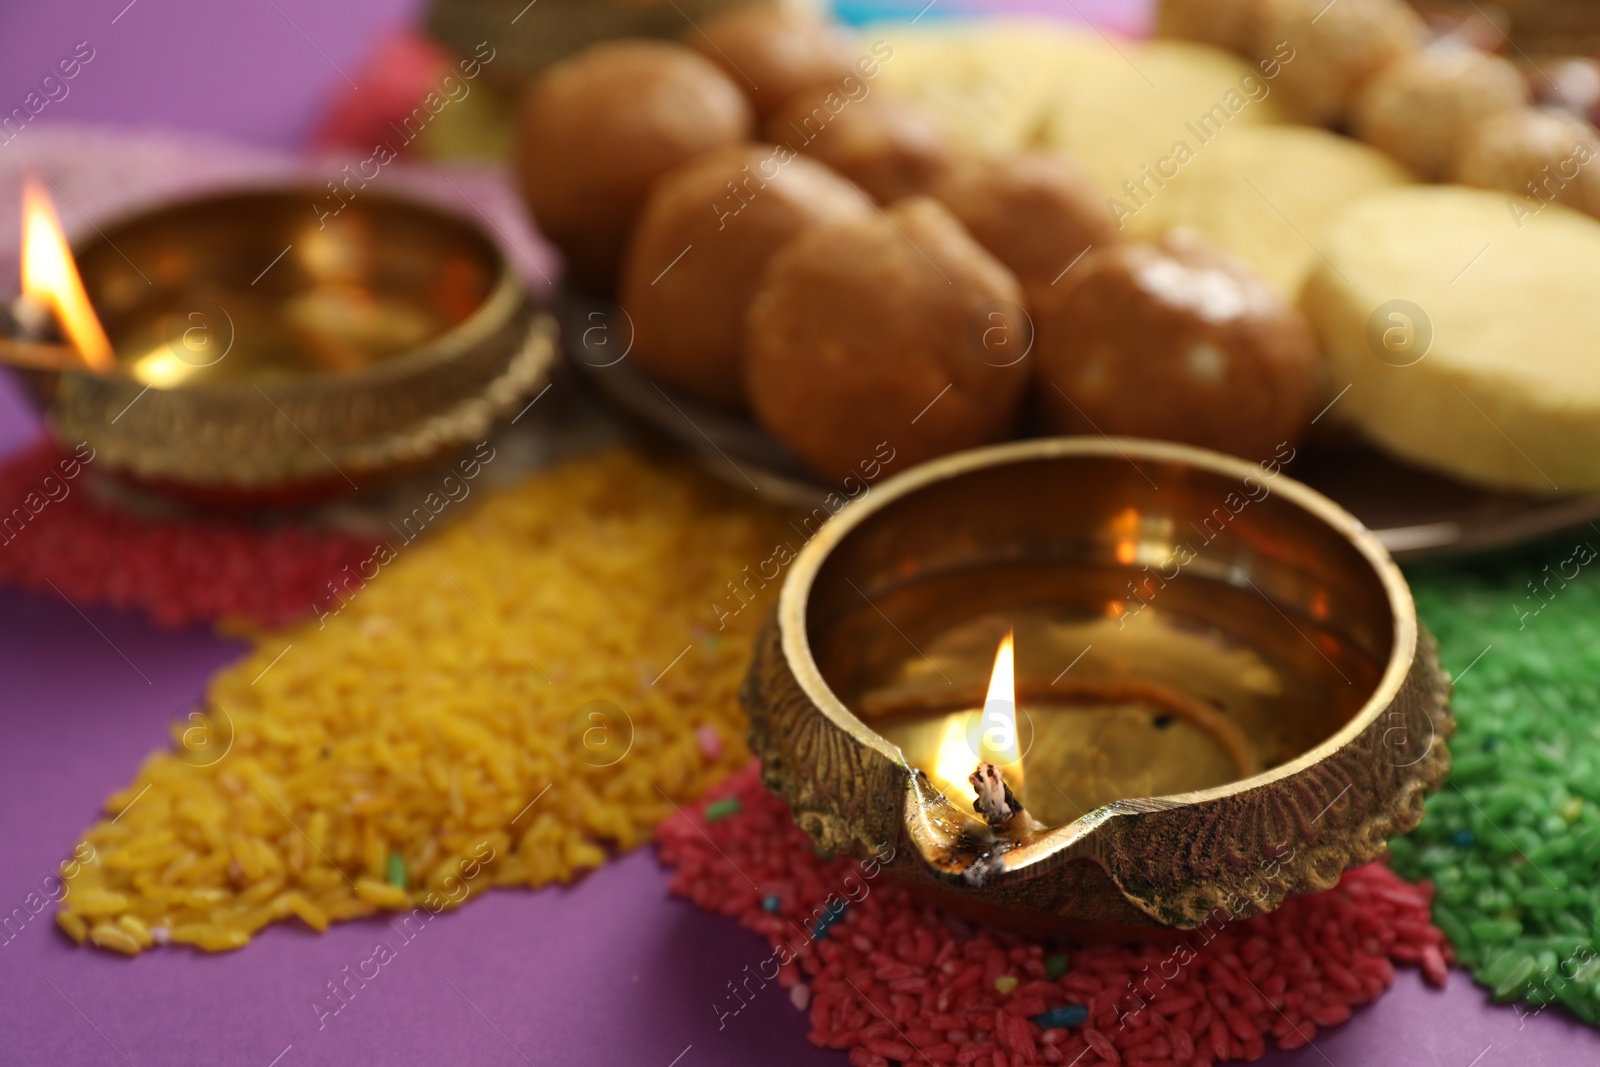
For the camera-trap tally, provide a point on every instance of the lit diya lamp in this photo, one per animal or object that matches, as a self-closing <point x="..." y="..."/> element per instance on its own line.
<point x="1210" y="691"/>
<point x="235" y="348"/>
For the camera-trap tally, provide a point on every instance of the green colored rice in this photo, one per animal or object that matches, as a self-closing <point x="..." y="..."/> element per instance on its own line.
<point x="1512" y="841"/>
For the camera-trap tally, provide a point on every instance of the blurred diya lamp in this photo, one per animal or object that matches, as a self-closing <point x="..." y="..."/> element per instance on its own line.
<point x="530" y="37"/>
<point x="1211" y="689"/>
<point x="233" y="350"/>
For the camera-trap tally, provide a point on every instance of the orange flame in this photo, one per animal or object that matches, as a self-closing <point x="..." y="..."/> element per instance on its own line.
<point x="1003" y="679"/>
<point x="50" y="277"/>
<point x="997" y="739"/>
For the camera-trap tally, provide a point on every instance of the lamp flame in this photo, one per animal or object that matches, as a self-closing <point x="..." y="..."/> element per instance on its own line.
<point x="50" y="278"/>
<point x="1003" y="680"/>
<point x="997" y="739"/>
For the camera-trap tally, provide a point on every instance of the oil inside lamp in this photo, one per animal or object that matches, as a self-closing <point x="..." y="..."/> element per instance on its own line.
<point x="1194" y="717"/>
<point x="1089" y="737"/>
<point x="50" y="282"/>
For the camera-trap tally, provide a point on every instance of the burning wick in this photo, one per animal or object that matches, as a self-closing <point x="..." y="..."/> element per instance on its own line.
<point x="33" y="319"/>
<point x="50" y="283"/>
<point x="997" y="746"/>
<point x="996" y="803"/>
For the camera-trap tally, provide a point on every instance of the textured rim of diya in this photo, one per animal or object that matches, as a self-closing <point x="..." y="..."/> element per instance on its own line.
<point x="1174" y="862"/>
<point x="446" y="392"/>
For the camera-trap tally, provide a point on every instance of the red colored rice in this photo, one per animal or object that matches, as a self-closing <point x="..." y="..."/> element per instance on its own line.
<point x="894" y="981"/>
<point x="177" y="572"/>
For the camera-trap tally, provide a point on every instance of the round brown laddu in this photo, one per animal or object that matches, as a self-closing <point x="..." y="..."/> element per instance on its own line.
<point x="595" y="130"/>
<point x="1226" y="24"/>
<point x="888" y="145"/>
<point x="890" y="328"/>
<point x="773" y="52"/>
<point x="1175" y="341"/>
<point x="1328" y="52"/>
<point x="1035" y="211"/>
<point x="1423" y="107"/>
<point x="697" y="255"/>
<point x="1537" y="155"/>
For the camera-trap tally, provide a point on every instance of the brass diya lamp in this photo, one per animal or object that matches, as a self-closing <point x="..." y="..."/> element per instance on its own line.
<point x="1211" y="689"/>
<point x="233" y="349"/>
<point x="532" y="36"/>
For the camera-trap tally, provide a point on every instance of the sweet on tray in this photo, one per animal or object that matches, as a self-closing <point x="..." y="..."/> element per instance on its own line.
<point x="1253" y="124"/>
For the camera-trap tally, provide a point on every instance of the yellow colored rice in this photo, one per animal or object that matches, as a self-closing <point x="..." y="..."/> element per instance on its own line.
<point x="412" y="723"/>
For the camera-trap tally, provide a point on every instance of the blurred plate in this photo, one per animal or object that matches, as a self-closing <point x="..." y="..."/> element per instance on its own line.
<point x="1417" y="514"/>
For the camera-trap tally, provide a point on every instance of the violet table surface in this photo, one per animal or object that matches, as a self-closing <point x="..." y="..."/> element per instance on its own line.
<point x="609" y="971"/>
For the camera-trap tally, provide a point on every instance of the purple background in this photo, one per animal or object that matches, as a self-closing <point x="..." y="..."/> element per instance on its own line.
<point x="610" y="971"/>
